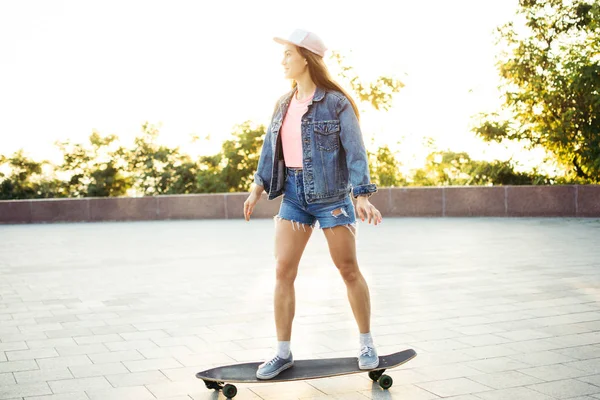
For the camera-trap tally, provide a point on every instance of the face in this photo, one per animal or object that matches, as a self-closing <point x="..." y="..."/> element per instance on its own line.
<point x="293" y="63"/>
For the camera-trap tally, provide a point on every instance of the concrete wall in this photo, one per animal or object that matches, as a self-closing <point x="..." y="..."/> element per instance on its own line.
<point x="499" y="201"/>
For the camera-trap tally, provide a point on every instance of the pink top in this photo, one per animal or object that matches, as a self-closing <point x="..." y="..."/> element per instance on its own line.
<point x="291" y="133"/>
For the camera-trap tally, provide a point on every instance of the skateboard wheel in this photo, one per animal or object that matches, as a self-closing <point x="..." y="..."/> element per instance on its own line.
<point x="229" y="391"/>
<point x="375" y="375"/>
<point x="385" y="381"/>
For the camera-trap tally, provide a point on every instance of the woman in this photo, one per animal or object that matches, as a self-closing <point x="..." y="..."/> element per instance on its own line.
<point x="314" y="155"/>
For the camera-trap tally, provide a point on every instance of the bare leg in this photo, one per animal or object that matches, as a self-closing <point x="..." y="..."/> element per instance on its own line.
<point x="290" y="242"/>
<point x="342" y="247"/>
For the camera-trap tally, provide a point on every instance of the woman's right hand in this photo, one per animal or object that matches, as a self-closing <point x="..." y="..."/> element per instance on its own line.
<point x="250" y="203"/>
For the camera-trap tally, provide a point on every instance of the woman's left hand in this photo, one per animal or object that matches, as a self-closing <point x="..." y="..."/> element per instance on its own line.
<point x="367" y="210"/>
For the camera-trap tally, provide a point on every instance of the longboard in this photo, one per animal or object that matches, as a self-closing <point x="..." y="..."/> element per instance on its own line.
<point x="220" y="378"/>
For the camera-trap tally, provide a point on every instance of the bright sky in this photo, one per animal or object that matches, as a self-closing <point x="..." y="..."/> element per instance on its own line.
<point x="199" y="68"/>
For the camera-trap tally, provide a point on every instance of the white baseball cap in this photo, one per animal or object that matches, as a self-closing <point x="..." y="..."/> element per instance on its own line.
<point x="305" y="39"/>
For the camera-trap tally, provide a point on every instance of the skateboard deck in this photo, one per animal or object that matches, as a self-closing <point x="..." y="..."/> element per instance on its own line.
<point x="216" y="378"/>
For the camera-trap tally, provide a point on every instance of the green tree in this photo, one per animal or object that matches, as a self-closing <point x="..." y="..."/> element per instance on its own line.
<point x="384" y="168"/>
<point x="153" y="165"/>
<point x="503" y="173"/>
<point x="26" y="180"/>
<point x="209" y="176"/>
<point x="241" y="154"/>
<point x="378" y="94"/>
<point x="551" y="76"/>
<point x="94" y="170"/>
<point x="232" y="169"/>
<point x="449" y="168"/>
<point x="184" y="177"/>
<point x="443" y="168"/>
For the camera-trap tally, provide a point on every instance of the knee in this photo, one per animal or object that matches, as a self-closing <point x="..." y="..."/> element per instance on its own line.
<point x="349" y="271"/>
<point x="285" y="272"/>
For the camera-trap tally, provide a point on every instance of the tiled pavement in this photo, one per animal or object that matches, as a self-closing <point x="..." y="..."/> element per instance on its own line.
<point x="495" y="308"/>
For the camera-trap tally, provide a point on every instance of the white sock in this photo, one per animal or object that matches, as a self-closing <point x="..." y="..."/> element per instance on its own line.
<point x="283" y="349"/>
<point x="366" y="339"/>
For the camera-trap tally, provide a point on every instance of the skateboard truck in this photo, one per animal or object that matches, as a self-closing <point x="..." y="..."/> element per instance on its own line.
<point x="228" y="390"/>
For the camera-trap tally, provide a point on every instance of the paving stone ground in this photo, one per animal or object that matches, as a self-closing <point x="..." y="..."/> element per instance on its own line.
<point x="495" y="308"/>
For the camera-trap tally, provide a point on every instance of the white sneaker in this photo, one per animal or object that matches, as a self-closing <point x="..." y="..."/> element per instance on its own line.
<point x="368" y="358"/>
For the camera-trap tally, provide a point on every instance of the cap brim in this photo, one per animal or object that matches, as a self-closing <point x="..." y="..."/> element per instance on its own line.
<point x="282" y="40"/>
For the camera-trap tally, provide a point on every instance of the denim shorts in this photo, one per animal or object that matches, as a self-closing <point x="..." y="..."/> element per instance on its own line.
<point x="324" y="215"/>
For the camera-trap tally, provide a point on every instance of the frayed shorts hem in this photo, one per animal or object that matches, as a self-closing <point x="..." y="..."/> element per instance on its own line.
<point x="296" y="225"/>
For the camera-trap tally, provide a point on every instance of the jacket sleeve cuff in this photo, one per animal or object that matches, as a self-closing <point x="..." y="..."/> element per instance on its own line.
<point x="364" y="190"/>
<point x="259" y="181"/>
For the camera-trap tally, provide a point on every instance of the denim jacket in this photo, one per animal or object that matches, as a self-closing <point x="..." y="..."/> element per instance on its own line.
<point x="334" y="158"/>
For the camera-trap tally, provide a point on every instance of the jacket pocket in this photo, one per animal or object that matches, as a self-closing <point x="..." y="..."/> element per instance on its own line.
<point x="327" y="135"/>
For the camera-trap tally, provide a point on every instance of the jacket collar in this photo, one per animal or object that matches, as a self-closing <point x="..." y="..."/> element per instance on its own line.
<point x="319" y="94"/>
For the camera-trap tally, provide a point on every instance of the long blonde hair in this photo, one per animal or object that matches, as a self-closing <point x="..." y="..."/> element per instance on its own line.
<point x="320" y="75"/>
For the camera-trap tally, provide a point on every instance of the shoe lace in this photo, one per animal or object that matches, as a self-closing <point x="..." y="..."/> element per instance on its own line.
<point x="274" y="360"/>
<point x="366" y="351"/>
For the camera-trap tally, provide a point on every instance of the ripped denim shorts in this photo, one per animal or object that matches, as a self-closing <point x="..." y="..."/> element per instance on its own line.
<point x="295" y="208"/>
